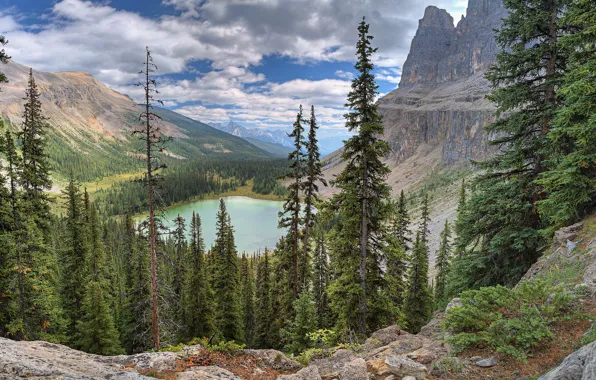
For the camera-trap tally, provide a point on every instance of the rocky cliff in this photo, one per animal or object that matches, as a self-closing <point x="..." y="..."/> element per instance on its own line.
<point x="440" y="100"/>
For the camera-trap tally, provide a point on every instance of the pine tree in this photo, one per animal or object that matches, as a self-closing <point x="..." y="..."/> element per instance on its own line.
<point x="248" y="301"/>
<point x="417" y="305"/>
<point x="74" y="258"/>
<point x="305" y="322"/>
<point x="226" y="282"/>
<point x="197" y="293"/>
<point x="290" y="216"/>
<point x="313" y="174"/>
<point x="362" y="199"/>
<point x="501" y="219"/>
<point x="154" y="140"/>
<point x="264" y="309"/>
<point x="442" y="265"/>
<point x="569" y="180"/>
<point x="321" y="280"/>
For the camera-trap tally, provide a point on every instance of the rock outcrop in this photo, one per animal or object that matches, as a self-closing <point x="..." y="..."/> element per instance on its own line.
<point x="580" y="365"/>
<point x="441" y="97"/>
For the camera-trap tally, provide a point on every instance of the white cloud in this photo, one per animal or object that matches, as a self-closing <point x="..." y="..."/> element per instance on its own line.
<point x="232" y="36"/>
<point x="344" y="74"/>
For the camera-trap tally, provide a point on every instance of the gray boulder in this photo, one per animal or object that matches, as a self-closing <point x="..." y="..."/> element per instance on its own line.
<point x="580" y="365"/>
<point x="308" y="373"/>
<point x="207" y="373"/>
<point x="354" y="370"/>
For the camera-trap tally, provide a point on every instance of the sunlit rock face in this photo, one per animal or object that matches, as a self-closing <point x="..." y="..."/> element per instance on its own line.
<point x="441" y="100"/>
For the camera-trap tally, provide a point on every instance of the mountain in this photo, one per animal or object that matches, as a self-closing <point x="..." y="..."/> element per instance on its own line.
<point x="327" y="143"/>
<point x="434" y="121"/>
<point x="91" y="122"/>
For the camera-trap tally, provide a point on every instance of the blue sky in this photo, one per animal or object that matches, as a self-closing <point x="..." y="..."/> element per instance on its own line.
<point x="252" y="61"/>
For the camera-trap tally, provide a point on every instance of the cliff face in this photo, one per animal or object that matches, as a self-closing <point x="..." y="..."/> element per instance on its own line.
<point x="441" y="97"/>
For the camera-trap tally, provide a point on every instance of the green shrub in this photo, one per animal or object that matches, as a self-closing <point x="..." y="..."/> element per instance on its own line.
<point x="509" y="321"/>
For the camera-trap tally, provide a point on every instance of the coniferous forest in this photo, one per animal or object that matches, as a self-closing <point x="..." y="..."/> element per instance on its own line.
<point x="90" y="277"/>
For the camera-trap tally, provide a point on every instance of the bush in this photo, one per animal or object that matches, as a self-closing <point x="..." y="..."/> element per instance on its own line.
<point x="510" y="321"/>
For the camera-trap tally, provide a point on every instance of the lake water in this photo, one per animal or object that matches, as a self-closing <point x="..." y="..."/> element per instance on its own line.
<point x="254" y="221"/>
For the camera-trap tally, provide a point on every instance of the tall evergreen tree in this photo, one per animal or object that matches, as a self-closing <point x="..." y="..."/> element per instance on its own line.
<point x="459" y="222"/>
<point x="321" y="280"/>
<point x="74" y="259"/>
<point x="417" y="303"/>
<point x="264" y="308"/>
<point x="442" y="265"/>
<point x="180" y="246"/>
<point x="248" y="301"/>
<point x="402" y="223"/>
<point x="314" y="175"/>
<point x="396" y="258"/>
<point x="501" y="217"/>
<point x="424" y="218"/>
<point x="305" y="322"/>
<point x="570" y="179"/>
<point x="290" y="217"/>
<point x="226" y="282"/>
<point x="363" y="196"/>
<point x="197" y="293"/>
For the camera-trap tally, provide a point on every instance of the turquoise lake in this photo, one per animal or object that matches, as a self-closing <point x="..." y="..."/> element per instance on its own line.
<point x="254" y="221"/>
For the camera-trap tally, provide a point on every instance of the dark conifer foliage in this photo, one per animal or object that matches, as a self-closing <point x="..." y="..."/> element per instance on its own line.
<point x="363" y="199"/>
<point x="198" y="297"/>
<point x="501" y="219"/>
<point x="443" y="266"/>
<point x="264" y="317"/>
<point x="291" y="217"/>
<point x="418" y="302"/>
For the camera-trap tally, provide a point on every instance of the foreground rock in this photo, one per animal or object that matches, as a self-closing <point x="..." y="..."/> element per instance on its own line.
<point x="207" y="373"/>
<point x="580" y="365"/>
<point x="42" y="360"/>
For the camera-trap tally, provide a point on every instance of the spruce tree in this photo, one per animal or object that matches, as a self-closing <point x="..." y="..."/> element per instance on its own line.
<point x="459" y="222"/>
<point x="501" y="218"/>
<point x="137" y="325"/>
<point x="321" y="280"/>
<point x="396" y="259"/>
<point x="442" y="265"/>
<point x="362" y="201"/>
<point x="35" y="175"/>
<point x="417" y="303"/>
<point x="98" y="334"/>
<point x="313" y="175"/>
<point x="569" y="181"/>
<point x="197" y="293"/>
<point x="290" y="217"/>
<point x="402" y="223"/>
<point x="179" y="240"/>
<point x="248" y="301"/>
<point x="305" y="322"/>
<point x="424" y="218"/>
<point x="74" y="258"/>
<point x="226" y="282"/>
<point x="264" y="309"/>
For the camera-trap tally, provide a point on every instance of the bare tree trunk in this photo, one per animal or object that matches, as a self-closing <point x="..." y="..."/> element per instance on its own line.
<point x="152" y="229"/>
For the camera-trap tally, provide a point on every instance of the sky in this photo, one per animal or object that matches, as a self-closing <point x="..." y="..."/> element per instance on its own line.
<point x="251" y="61"/>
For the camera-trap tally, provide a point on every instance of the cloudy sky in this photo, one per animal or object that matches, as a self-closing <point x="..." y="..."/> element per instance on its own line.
<point x="252" y="61"/>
